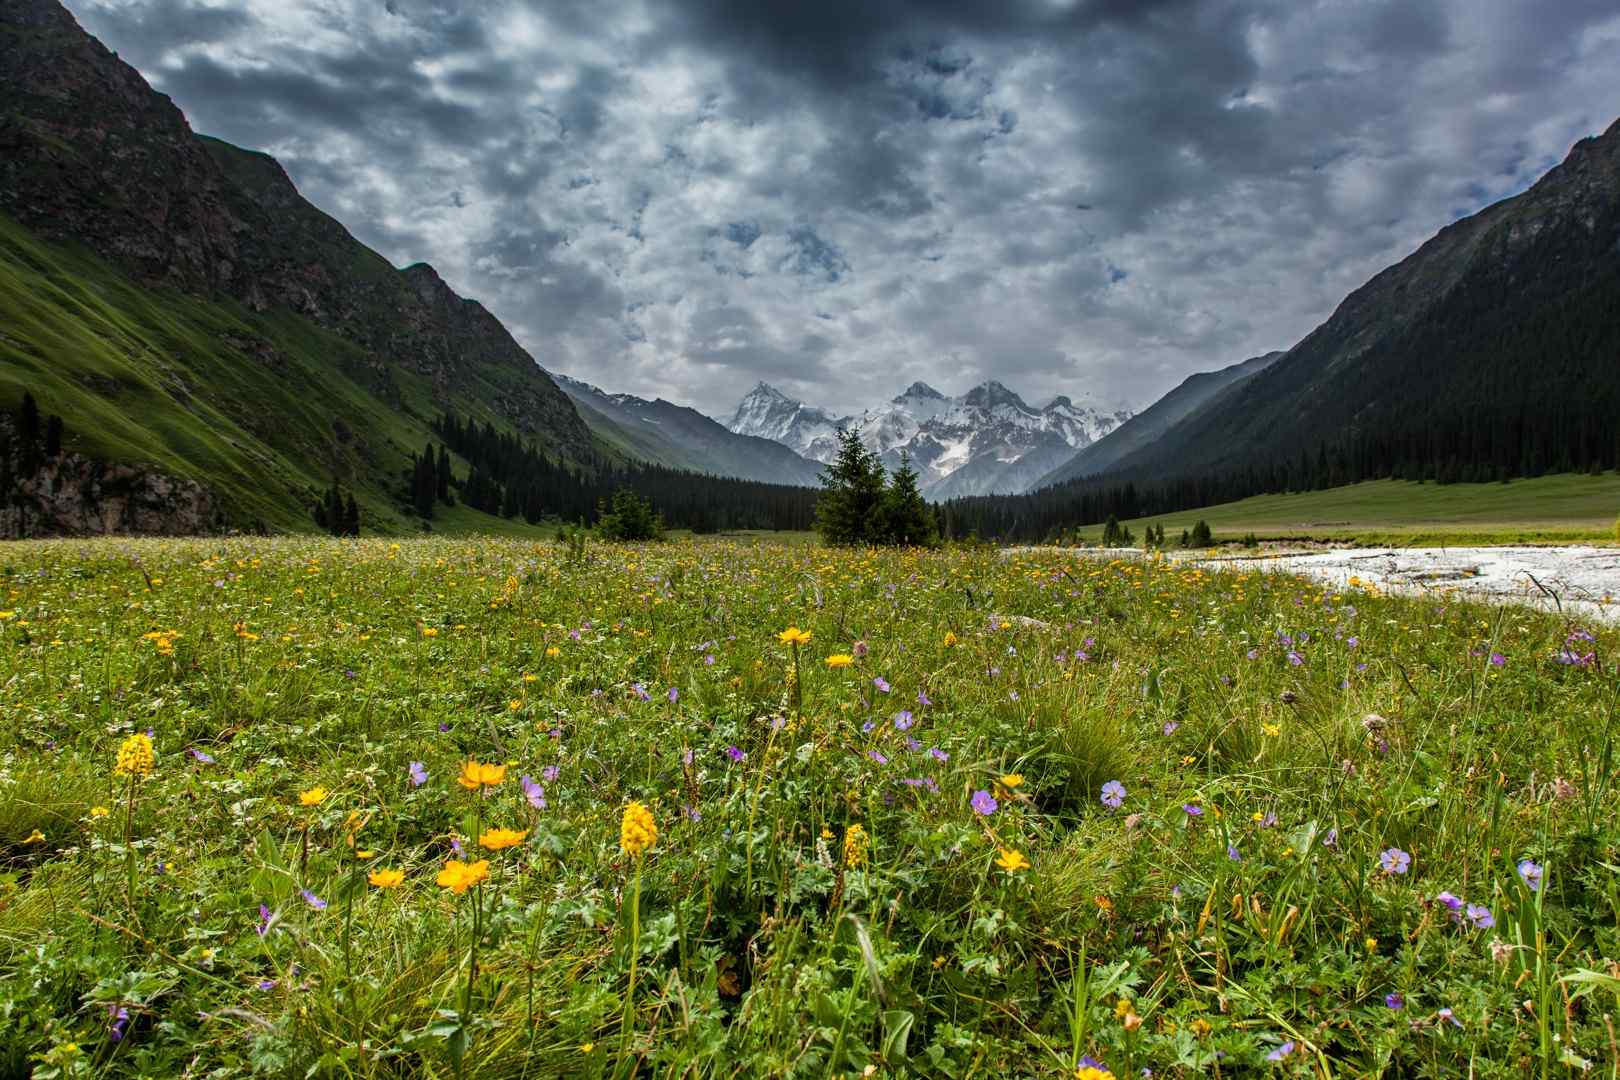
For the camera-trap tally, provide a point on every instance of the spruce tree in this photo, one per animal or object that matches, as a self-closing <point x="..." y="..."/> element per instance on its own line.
<point x="906" y="517"/>
<point x="351" y="517"/>
<point x="849" y="508"/>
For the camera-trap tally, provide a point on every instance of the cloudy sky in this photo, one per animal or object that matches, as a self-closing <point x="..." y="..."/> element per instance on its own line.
<point x="1089" y="197"/>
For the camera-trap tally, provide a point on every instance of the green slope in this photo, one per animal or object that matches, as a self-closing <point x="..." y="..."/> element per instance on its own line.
<point x="1547" y="509"/>
<point x="262" y="408"/>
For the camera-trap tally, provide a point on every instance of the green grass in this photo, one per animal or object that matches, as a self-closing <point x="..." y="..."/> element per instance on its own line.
<point x="1315" y="733"/>
<point x="244" y="402"/>
<point x="1551" y="509"/>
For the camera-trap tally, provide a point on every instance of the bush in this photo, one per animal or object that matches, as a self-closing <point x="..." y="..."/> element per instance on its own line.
<point x="629" y="517"/>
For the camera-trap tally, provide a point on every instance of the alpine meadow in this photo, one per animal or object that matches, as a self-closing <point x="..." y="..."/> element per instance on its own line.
<point x="1206" y="665"/>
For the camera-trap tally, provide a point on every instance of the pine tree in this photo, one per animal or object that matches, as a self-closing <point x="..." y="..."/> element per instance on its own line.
<point x="906" y="517"/>
<point x="443" y="475"/>
<point x="351" y="517"/>
<point x="849" y="508"/>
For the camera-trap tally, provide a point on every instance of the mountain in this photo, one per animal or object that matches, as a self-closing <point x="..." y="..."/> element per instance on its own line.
<point x="1493" y="350"/>
<point x="767" y="413"/>
<point x="1151" y="423"/>
<point x="675" y="435"/>
<point x="987" y="441"/>
<point x="193" y="317"/>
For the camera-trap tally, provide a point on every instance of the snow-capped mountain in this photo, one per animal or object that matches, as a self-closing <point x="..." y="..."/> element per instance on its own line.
<point x="986" y="442"/>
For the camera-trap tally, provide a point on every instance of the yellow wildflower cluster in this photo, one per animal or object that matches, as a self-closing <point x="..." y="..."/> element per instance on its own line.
<point x="856" y="841"/>
<point x="459" y="876"/>
<point x="638" y="831"/>
<point x="794" y="636"/>
<point x="162" y="640"/>
<point x="135" y="756"/>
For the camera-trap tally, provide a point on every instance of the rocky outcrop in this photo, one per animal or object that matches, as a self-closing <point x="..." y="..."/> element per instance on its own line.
<point x="71" y="495"/>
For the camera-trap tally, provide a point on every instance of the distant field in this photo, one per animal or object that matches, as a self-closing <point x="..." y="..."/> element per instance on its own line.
<point x="1550" y="509"/>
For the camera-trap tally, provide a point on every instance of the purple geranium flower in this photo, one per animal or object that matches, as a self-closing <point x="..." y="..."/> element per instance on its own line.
<point x="1498" y="660"/>
<point x="1453" y="902"/>
<point x="983" y="803"/>
<point x="263" y="925"/>
<point x="200" y="756"/>
<point x="903" y="720"/>
<point x="1531" y="873"/>
<point x="1480" y="916"/>
<point x="735" y="754"/>
<point x="1394" y="860"/>
<point x="878" y="756"/>
<point x="938" y="755"/>
<point x="1193" y="809"/>
<point x="549" y="774"/>
<point x="881" y="683"/>
<point x="1113" y="794"/>
<point x="418" y="774"/>
<point x="534" y="793"/>
<point x="674" y="695"/>
<point x="1394" y="1001"/>
<point x="1281" y="1052"/>
<point x="313" y="901"/>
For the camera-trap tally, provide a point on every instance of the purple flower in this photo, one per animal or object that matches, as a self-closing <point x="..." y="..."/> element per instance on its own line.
<point x="1480" y="916"/>
<point x="1331" y="838"/>
<point x="1531" y="873"/>
<point x="938" y="755"/>
<point x="1169" y="727"/>
<point x="1394" y="860"/>
<point x="641" y="691"/>
<point x="418" y="774"/>
<point x="1233" y="853"/>
<point x="912" y="744"/>
<point x="1394" y="1001"/>
<point x="903" y="720"/>
<point x="1089" y="1062"/>
<point x="1453" y="902"/>
<point x="1269" y="821"/>
<point x="1446" y="1014"/>
<point x="708" y="661"/>
<point x="534" y="793"/>
<point x="200" y="756"/>
<point x="1352" y="641"/>
<point x="1498" y="660"/>
<point x="313" y="901"/>
<point x="983" y="803"/>
<point x="1281" y="1052"/>
<point x="922" y="782"/>
<point x="866" y="728"/>
<point x="881" y="683"/>
<point x="263" y="925"/>
<point x="1193" y="809"/>
<point x="444" y="725"/>
<point x="1253" y="654"/>
<point x="118" y="1018"/>
<point x="549" y="774"/>
<point x="1294" y="658"/>
<point x="735" y="754"/>
<point x="267" y="984"/>
<point x="686" y="757"/>
<point x="1113" y="794"/>
<point x="877" y="756"/>
<point x="674" y="695"/>
<point x="923" y="698"/>
<point x="455" y="845"/>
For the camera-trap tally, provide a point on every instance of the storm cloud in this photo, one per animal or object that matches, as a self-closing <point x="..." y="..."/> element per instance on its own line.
<point x="1082" y="197"/>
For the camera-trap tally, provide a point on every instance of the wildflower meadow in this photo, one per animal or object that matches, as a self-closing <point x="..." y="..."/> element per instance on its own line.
<point x="497" y="808"/>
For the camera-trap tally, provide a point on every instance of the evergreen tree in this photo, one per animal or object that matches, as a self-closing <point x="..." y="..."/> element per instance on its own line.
<point x="53" y="437"/>
<point x="443" y="475"/>
<point x="629" y="517"/>
<point x="849" y="509"/>
<point x="906" y="517"/>
<point x="351" y="517"/>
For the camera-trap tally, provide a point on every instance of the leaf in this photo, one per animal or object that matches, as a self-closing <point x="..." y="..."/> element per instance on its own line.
<point x="897" y="1025"/>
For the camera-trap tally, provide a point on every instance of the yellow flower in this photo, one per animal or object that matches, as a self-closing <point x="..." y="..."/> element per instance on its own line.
<point x="1272" y="730"/>
<point x="496" y="839"/>
<point x="855" y="844"/>
<point x="551" y="650"/>
<point x="99" y="811"/>
<point x="950" y="638"/>
<point x="794" y="636"/>
<point x="313" y="797"/>
<point x="429" y="631"/>
<point x="1091" y="1072"/>
<point x="458" y="876"/>
<point x="838" y="660"/>
<point x="515" y="704"/>
<point x="475" y="774"/>
<point x="135" y="756"/>
<point x="586" y="1048"/>
<point x="1012" y="861"/>
<point x="386" y="879"/>
<point x="35" y="837"/>
<point x="1012" y="780"/>
<point x="637" y="830"/>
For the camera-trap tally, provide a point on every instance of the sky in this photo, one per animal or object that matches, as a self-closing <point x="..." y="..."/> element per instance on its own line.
<point x="1097" y="198"/>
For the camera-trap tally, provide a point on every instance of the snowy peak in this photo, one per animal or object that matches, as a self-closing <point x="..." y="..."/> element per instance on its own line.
<point x="987" y="441"/>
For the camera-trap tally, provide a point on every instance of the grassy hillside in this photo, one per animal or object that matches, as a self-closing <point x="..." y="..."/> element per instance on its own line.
<point x="1546" y="509"/>
<point x="263" y="408"/>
